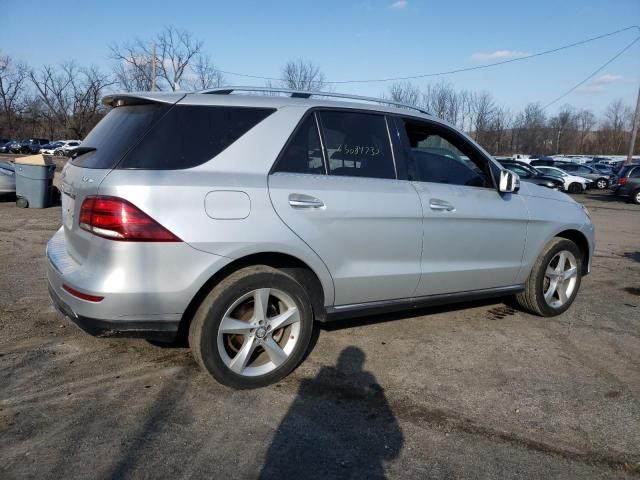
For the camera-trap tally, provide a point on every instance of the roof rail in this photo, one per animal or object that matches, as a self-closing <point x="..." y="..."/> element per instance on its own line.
<point x="307" y="94"/>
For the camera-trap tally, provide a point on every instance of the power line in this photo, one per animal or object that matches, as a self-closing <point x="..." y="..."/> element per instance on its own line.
<point x="592" y="74"/>
<point x="458" y="70"/>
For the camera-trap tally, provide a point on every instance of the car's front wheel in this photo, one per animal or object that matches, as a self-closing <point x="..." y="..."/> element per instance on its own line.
<point x="554" y="280"/>
<point x="253" y="328"/>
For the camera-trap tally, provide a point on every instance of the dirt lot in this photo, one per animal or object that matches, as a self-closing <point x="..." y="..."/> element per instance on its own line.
<point x="471" y="391"/>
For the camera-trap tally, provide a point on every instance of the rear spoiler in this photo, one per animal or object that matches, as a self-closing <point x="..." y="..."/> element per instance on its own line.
<point x="141" y="98"/>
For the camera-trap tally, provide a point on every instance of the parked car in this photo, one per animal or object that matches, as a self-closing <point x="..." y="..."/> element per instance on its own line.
<point x="4" y="145"/>
<point x="603" y="168"/>
<point x="7" y="178"/>
<point x="571" y="183"/>
<point x="50" y="148"/>
<point x="29" y="145"/>
<point x="295" y="210"/>
<point x="547" y="161"/>
<point x="67" y="147"/>
<point x="627" y="183"/>
<point x="528" y="173"/>
<point x="600" y="180"/>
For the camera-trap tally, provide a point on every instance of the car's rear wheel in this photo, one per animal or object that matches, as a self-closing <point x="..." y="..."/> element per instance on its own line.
<point x="554" y="280"/>
<point x="253" y="328"/>
<point x="575" y="187"/>
<point x="635" y="197"/>
<point x="602" y="183"/>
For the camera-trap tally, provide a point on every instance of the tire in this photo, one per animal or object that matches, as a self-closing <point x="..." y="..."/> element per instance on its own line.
<point x="22" y="202"/>
<point x="575" y="187"/>
<point x="532" y="298"/>
<point x="635" y="197"/>
<point x="233" y="299"/>
<point x="602" y="183"/>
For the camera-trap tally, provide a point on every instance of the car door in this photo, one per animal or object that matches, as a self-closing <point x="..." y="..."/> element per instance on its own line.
<point x="335" y="186"/>
<point x="473" y="236"/>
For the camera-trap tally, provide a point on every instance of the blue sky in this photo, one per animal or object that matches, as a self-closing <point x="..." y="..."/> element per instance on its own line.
<point x="359" y="39"/>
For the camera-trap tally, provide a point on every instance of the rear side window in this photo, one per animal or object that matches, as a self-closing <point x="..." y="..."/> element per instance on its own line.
<point x="357" y="144"/>
<point x="189" y="135"/>
<point x="635" y="173"/>
<point x="303" y="154"/>
<point x="116" y="133"/>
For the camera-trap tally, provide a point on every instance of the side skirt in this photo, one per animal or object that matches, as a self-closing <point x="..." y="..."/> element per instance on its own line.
<point x="341" y="312"/>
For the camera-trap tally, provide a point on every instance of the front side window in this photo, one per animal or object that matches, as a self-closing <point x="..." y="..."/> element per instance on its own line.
<point x="303" y="153"/>
<point x="438" y="155"/>
<point x="357" y="144"/>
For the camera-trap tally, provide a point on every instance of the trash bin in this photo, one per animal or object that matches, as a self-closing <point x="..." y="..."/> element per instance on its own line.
<point x="33" y="184"/>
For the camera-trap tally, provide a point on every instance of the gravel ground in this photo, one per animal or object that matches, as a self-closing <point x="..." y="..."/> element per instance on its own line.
<point x="471" y="391"/>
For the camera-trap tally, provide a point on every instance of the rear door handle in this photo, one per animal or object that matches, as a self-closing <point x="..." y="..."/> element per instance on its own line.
<point x="437" y="204"/>
<point x="299" y="200"/>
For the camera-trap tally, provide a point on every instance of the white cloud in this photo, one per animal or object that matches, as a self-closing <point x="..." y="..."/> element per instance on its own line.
<point x="599" y="84"/>
<point x="497" y="55"/>
<point x="399" y="4"/>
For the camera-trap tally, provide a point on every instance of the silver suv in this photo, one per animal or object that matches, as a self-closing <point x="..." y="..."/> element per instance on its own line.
<point x="243" y="220"/>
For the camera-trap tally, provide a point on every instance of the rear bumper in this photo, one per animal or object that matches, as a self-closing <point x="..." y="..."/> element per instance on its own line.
<point x="151" y="330"/>
<point x="145" y="287"/>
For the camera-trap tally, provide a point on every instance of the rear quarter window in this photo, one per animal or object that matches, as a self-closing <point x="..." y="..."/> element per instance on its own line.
<point x="189" y="135"/>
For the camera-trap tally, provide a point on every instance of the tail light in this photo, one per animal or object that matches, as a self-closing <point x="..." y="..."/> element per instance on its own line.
<point x="622" y="181"/>
<point x="117" y="219"/>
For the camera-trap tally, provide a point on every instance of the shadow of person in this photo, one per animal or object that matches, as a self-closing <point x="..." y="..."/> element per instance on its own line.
<point x="340" y="425"/>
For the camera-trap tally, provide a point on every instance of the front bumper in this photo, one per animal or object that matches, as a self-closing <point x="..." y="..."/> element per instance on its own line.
<point x="151" y="330"/>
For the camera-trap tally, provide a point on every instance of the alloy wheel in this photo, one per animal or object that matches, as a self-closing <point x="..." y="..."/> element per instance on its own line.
<point x="258" y="332"/>
<point x="602" y="183"/>
<point x="560" y="279"/>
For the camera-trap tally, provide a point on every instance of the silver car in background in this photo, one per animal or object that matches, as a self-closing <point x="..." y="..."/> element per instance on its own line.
<point x="7" y="178"/>
<point x="241" y="221"/>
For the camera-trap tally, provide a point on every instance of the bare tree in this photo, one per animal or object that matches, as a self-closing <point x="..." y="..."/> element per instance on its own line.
<point x="71" y="96"/>
<point x="585" y="123"/>
<point x="204" y="74"/>
<point x="405" y="92"/>
<point x="483" y="109"/>
<point x="613" y="132"/>
<point x="300" y="74"/>
<point x="13" y="77"/>
<point x="172" y="53"/>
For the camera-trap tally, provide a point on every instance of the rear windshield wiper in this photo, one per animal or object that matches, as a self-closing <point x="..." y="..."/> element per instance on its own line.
<point x="76" y="152"/>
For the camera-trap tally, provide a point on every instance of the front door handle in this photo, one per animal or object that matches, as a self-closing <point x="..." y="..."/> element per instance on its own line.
<point x="299" y="200"/>
<point x="437" y="204"/>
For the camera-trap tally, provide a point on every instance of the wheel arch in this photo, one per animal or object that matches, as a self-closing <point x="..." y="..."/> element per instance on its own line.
<point x="579" y="238"/>
<point x="295" y="267"/>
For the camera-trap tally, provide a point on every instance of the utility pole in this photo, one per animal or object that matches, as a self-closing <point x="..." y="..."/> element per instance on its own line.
<point x="153" y="67"/>
<point x="634" y="130"/>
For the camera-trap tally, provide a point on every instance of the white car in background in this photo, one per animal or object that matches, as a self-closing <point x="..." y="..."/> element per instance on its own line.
<point x="572" y="183"/>
<point x="50" y="148"/>
<point x="63" y="151"/>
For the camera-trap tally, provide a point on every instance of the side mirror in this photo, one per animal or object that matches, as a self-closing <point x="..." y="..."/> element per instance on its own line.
<point x="509" y="182"/>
